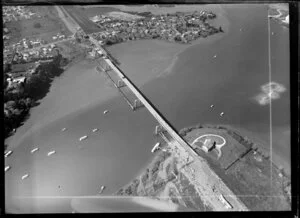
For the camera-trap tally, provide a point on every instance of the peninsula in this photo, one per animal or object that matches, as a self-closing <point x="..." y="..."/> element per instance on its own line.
<point x="242" y="165"/>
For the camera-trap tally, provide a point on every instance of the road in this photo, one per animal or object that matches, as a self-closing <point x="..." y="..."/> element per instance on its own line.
<point x="203" y="172"/>
<point x="70" y="24"/>
<point x="207" y="184"/>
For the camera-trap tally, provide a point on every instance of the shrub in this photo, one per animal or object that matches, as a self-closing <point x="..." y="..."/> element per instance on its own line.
<point x="37" y="25"/>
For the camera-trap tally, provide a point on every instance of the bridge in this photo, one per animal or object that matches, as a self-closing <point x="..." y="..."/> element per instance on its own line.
<point x="207" y="178"/>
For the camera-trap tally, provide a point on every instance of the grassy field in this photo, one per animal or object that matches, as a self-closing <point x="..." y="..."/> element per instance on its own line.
<point x="91" y="12"/>
<point x="82" y="19"/>
<point x="44" y="27"/>
<point x="21" y="67"/>
<point x="250" y="176"/>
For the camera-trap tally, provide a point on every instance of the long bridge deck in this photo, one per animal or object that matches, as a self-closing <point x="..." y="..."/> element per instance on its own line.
<point x="209" y="176"/>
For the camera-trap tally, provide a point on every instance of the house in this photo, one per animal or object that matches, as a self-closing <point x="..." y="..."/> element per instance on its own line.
<point x="19" y="79"/>
<point x="208" y="145"/>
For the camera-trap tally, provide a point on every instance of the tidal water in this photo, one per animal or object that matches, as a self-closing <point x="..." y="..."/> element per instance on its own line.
<point x="183" y="94"/>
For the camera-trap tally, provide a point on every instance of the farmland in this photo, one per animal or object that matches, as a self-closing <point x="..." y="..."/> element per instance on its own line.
<point x="43" y="27"/>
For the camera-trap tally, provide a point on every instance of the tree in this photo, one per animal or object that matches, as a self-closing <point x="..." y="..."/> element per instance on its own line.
<point x="37" y="25"/>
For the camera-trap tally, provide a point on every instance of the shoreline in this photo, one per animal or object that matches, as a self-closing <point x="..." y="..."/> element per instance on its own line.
<point x="156" y="160"/>
<point x="170" y="63"/>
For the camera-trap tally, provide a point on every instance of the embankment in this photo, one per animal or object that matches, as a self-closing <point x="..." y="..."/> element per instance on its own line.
<point x="249" y="177"/>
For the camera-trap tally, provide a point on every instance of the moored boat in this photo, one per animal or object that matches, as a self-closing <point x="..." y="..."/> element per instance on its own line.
<point x="101" y="189"/>
<point x="34" y="150"/>
<point x="25" y="176"/>
<point x="6" y="168"/>
<point x="51" y="152"/>
<point x="8" y="153"/>
<point x="95" y="130"/>
<point x="83" y="138"/>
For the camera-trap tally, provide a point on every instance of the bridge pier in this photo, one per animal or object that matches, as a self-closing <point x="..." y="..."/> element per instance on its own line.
<point x="104" y="65"/>
<point x="137" y="104"/>
<point x="158" y="129"/>
<point x="120" y="84"/>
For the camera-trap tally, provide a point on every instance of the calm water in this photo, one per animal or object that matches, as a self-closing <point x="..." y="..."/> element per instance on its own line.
<point x="119" y="151"/>
<point x="231" y="81"/>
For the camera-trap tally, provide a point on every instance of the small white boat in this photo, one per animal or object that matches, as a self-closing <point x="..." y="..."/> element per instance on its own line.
<point x="101" y="189"/>
<point x="105" y="112"/>
<point x="34" y="150"/>
<point x="25" y="176"/>
<point x="6" y="168"/>
<point x="241" y="29"/>
<point x="221" y="114"/>
<point x="272" y="33"/>
<point x="83" y="138"/>
<point x="8" y="153"/>
<point x="51" y="152"/>
<point x="212" y="106"/>
<point x="63" y="129"/>
<point x="155" y="147"/>
<point x="215" y="56"/>
<point x="95" y="130"/>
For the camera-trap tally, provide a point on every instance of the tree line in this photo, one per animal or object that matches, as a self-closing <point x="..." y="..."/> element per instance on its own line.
<point x="19" y="100"/>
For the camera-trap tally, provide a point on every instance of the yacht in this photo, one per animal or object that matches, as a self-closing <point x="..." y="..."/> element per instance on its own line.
<point x="105" y="112"/>
<point x="101" y="189"/>
<point x="156" y="146"/>
<point x="8" y="153"/>
<point x="95" y="130"/>
<point x="63" y="129"/>
<point x="51" y="152"/>
<point x="215" y="56"/>
<point x="221" y="114"/>
<point x="83" y="138"/>
<point x="6" y="168"/>
<point x="34" y="150"/>
<point x="212" y="106"/>
<point x="25" y="176"/>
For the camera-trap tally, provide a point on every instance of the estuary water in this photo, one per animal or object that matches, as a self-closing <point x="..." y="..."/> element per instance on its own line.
<point x="181" y="86"/>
